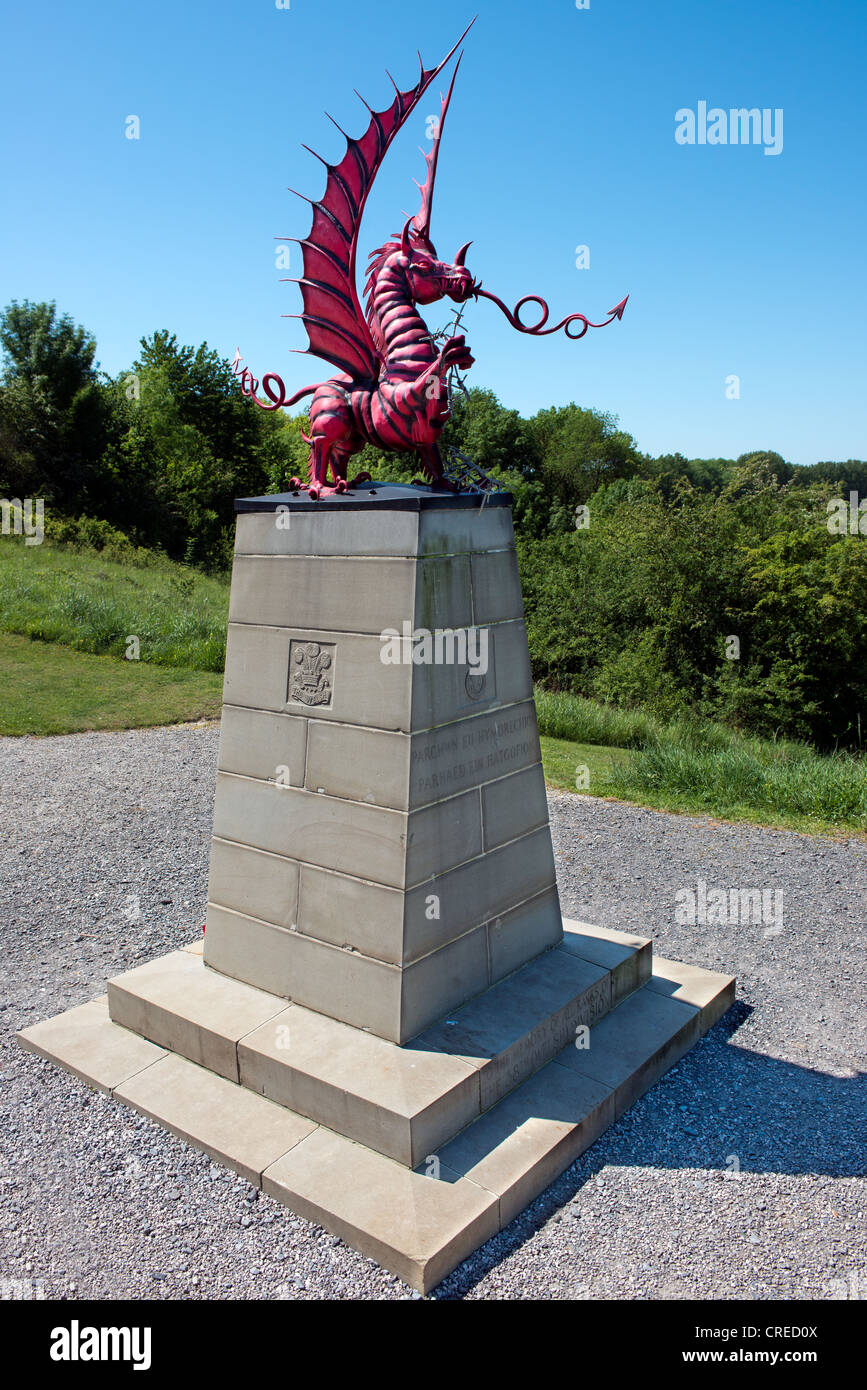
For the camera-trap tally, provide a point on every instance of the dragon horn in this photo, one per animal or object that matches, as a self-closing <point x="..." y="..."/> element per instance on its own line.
<point x="462" y="254"/>
<point x="405" y="246"/>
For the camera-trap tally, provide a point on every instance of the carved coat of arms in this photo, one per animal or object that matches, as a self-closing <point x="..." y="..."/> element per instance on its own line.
<point x="311" y="674"/>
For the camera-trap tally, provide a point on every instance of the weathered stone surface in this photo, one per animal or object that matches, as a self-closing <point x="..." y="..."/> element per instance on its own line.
<point x="359" y="764"/>
<point x="441" y="694"/>
<point x="447" y="531"/>
<point x="343" y="984"/>
<point x="398" y="1101"/>
<point x="517" y="936"/>
<point x="366" y="691"/>
<point x="707" y="990"/>
<point x="373" y="842"/>
<point x="442" y="980"/>
<point x="233" y="1125"/>
<point x="86" y="1042"/>
<point x="328" y="593"/>
<point x="363" y="840"/>
<point x="531" y="1136"/>
<point x="442" y="596"/>
<point x="469" y="752"/>
<point x="261" y="744"/>
<point x="413" y="1225"/>
<point x="523" y="1021"/>
<point x="633" y="954"/>
<point x="496" y="587"/>
<point x="479" y="891"/>
<point x="385" y="533"/>
<point x="353" y="912"/>
<point x="251" y="881"/>
<point x="634" y="1044"/>
<point x="513" y="805"/>
<point x="181" y="1005"/>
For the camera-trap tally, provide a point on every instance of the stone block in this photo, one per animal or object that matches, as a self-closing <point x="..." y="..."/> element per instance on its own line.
<point x="365" y="691"/>
<point x="85" y="1042"/>
<point x="522" y="1022"/>
<point x="469" y="752"/>
<point x="530" y="928"/>
<point x="359" y="764"/>
<point x="416" y="1227"/>
<point x="708" y="990"/>
<point x="256" y="743"/>
<point x="326" y="593"/>
<point x="480" y="891"/>
<point x="521" y="1146"/>
<point x="386" y="533"/>
<point x="395" y="1100"/>
<point x="513" y="805"/>
<point x="341" y="983"/>
<point x="233" y="1125"/>
<point x="251" y="881"/>
<point x="496" y="587"/>
<point x="352" y="912"/>
<point x="179" y="1004"/>
<point x="633" y="954"/>
<point x="633" y="1045"/>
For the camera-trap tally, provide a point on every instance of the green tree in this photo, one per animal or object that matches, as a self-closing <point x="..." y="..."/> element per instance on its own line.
<point x="54" y="415"/>
<point x="578" y="450"/>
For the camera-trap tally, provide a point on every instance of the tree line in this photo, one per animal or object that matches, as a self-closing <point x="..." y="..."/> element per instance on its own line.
<point x="712" y="585"/>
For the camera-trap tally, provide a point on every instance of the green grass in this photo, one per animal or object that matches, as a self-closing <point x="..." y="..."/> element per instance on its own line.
<point x="49" y="689"/>
<point x="93" y="604"/>
<point x="699" y="767"/>
<point x="562" y="760"/>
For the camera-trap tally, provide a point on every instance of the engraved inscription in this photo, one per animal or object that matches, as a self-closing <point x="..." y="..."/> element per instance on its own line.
<point x="473" y="752"/>
<point x="311" y="672"/>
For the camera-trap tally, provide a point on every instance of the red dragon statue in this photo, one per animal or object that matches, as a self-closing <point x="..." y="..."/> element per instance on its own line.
<point x="392" y="383"/>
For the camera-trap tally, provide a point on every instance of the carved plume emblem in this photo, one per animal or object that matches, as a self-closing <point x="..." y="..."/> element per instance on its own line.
<point x="311" y="674"/>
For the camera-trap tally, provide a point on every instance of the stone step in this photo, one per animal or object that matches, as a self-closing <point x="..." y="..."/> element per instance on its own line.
<point x="403" y="1102"/>
<point x="419" y="1224"/>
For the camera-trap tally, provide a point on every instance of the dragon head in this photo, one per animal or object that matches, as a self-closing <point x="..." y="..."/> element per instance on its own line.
<point x="430" y="279"/>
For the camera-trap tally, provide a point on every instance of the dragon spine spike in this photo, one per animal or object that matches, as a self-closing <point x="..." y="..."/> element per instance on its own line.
<point x="346" y="137"/>
<point x="421" y="222"/>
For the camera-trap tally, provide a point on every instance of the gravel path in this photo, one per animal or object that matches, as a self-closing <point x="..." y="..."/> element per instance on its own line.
<point x="740" y="1175"/>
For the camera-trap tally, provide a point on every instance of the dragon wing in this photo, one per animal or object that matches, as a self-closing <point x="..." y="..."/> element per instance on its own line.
<point x="336" y="327"/>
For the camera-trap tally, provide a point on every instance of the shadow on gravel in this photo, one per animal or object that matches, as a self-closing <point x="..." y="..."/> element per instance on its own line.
<point x="723" y="1109"/>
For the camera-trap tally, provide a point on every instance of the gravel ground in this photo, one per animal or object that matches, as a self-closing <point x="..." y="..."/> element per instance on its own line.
<point x="741" y="1175"/>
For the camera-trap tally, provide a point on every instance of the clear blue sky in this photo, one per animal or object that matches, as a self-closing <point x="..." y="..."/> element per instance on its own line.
<point x="561" y="133"/>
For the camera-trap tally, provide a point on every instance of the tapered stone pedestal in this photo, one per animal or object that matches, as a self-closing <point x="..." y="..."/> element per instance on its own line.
<point x="386" y="1026"/>
<point x="381" y="849"/>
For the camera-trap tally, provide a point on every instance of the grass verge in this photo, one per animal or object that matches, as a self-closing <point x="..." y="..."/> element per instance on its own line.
<point x="49" y="689"/>
<point x="701" y="768"/>
<point x="81" y="599"/>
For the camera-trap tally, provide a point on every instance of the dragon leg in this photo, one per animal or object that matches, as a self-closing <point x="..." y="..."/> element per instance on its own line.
<point x="432" y="463"/>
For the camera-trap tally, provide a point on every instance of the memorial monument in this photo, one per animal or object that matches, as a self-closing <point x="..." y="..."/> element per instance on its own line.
<point x="387" y="1026"/>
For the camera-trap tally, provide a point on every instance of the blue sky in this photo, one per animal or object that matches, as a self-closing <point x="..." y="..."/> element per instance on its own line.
<point x="561" y="133"/>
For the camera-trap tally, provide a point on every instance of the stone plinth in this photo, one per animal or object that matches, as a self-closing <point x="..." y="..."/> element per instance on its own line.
<point x="381" y="849"/>
<point x="386" y="1028"/>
